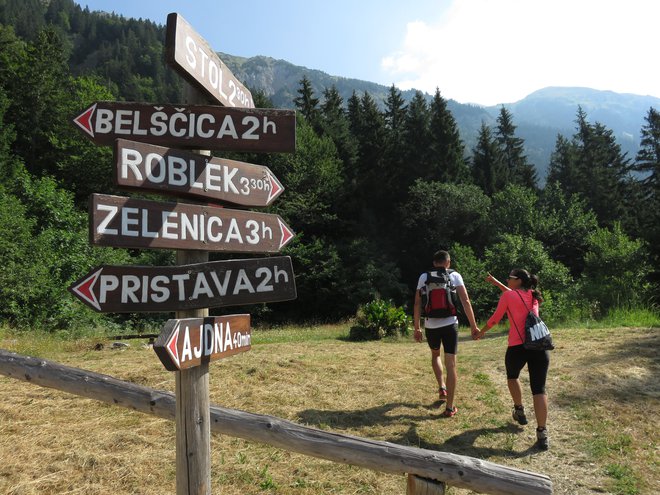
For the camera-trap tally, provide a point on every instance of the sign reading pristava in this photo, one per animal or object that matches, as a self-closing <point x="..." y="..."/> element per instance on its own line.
<point x="189" y="342"/>
<point x="133" y="289"/>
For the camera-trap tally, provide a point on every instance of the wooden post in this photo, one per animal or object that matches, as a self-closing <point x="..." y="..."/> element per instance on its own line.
<point x="193" y="430"/>
<point x="193" y="419"/>
<point x="424" y="486"/>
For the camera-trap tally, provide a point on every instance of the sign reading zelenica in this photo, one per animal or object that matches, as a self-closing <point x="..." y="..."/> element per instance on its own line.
<point x="118" y="221"/>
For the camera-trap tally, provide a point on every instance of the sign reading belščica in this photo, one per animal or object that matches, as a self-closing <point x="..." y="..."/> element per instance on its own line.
<point x="190" y="126"/>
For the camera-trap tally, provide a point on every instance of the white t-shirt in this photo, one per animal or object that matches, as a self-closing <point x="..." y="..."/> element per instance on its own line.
<point x="457" y="280"/>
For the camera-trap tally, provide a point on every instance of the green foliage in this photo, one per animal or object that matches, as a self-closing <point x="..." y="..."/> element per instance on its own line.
<point x="515" y="251"/>
<point x="378" y="319"/>
<point x="615" y="270"/>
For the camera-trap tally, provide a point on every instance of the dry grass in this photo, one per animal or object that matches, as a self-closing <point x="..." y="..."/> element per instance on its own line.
<point x="604" y="409"/>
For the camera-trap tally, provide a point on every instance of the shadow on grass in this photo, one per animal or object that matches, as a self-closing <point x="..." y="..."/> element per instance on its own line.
<point x="463" y="443"/>
<point x="379" y="415"/>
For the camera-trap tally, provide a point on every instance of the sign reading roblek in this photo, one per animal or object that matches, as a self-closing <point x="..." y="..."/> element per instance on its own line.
<point x="171" y="171"/>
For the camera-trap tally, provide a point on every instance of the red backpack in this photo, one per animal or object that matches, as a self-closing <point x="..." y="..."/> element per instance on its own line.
<point x="438" y="294"/>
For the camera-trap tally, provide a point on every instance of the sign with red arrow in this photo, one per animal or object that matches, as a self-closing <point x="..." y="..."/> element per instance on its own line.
<point x="189" y="342"/>
<point x="118" y="221"/>
<point x="191" y="126"/>
<point x="194" y="59"/>
<point x="166" y="170"/>
<point x="133" y="289"/>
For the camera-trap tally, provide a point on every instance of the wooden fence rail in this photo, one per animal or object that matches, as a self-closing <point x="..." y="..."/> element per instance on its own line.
<point x="454" y="470"/>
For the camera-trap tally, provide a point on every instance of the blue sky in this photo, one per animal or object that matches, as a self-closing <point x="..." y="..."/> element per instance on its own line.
<point x="474" y="51"/>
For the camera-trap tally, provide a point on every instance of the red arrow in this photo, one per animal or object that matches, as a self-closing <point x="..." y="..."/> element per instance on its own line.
<point x="275" y="187"/>
<point x="84" y="289"/>
<point x="84" y="120"/>
<point x="287" y="234"/>
<point x="172" y="345"/>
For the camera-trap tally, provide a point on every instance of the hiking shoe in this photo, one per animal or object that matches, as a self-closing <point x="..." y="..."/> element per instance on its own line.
<point x="542" y="439"/>
<point x="519" y="415"/>
<point x="448" y="413"/>
<point x="442" y="393"/>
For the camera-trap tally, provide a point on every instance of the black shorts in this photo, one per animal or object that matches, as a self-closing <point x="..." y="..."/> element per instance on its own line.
<point x="537" y="365"/>
<point x="447" y="336"/>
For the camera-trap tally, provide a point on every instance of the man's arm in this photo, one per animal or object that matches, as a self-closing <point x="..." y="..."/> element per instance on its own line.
<point x="417" y="315"/>
<point x="467" y="307"/>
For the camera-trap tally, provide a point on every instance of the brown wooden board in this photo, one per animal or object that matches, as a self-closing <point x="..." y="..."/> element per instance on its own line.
<point x="189" y="342"/>
<point x="194" y="59"/>
<point x="134" y="289"/>
<point x="118" y="221"/>
<point x="190" y="126"/>
<point x="170" y="171"/>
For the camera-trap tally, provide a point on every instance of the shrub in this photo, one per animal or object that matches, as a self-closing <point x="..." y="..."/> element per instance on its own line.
<point x="378" y="319"/>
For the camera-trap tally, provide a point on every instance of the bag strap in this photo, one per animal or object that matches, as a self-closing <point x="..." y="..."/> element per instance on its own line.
<point x="514" y="321"/>
<point x="523" y="301"/>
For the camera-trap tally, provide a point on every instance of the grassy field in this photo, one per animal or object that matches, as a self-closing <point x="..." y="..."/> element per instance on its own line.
<point x="604" y="392"/>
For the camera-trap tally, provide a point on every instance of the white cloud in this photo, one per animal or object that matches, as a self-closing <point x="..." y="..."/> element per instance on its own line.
<point x="498" y="51"/>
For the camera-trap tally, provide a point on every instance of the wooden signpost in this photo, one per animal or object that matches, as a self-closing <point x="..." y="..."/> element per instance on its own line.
<point x="170" y="171"/>
<point x="192" y="57"/>
<point x="136" y="223"/>
<point x="133" y="289"/>
<point x="142" y="135"/>
<point x="190" y="126"/>
<point x="187" y="343"/>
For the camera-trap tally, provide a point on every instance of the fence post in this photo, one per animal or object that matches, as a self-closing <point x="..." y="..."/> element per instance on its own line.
<point x="424" y="486"/>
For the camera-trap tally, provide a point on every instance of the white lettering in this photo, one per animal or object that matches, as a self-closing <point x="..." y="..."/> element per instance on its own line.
<point x="103" y="226"/>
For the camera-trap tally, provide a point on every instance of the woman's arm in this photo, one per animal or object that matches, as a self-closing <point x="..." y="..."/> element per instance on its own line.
<point x="492" y="280"/>
<point x="497" y="316"/>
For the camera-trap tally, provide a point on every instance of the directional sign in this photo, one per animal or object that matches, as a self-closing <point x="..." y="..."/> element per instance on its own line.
<point x="194" y="59"/>
<point x="189" y="342"/>
<point x="190" y="126"/>
<point x="136" y="223"/>
<point x="133" y="289"/>
<point x="145" y="166"/>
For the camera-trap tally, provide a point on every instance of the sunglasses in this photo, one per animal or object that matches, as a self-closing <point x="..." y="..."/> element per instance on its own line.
<point x="513" y="276"/>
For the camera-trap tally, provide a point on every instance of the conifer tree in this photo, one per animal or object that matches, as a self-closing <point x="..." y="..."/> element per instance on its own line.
<point x="446" y="148"/>
<point x="519" y="171"/>
<point x="307" y="104"/>
<point x="334" y="124"/>
<point x="488" y="169"/>
<point x="418" y="138"/>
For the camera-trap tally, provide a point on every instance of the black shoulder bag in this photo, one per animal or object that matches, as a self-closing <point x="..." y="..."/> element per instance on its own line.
<point x="537" y="334"/>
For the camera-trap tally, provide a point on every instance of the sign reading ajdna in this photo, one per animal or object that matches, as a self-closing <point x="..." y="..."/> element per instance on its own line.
<point x="189" y="342"/>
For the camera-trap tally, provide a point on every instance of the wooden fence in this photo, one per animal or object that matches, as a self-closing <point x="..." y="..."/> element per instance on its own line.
<point x="421" y="466"/>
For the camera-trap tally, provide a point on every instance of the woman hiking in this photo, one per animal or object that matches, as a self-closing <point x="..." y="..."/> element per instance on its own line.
<point x="519" y="297"/>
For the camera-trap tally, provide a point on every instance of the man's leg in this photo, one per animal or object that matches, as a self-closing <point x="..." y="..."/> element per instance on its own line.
<point x="452" y="378"/>
<point x="436" y="363"/>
